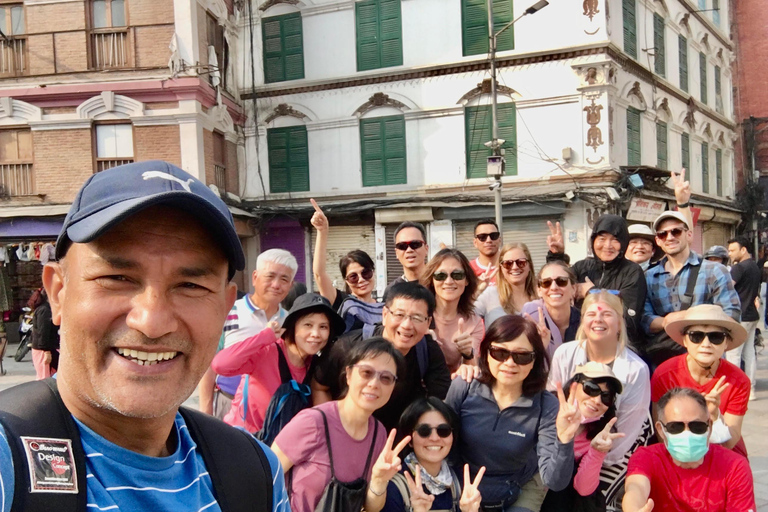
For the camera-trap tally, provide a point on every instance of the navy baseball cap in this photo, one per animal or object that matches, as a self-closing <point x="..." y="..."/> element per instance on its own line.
<point x="111" y="196"/>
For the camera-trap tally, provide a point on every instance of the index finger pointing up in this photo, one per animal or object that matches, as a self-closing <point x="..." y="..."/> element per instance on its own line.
<point x="316" y="206"/>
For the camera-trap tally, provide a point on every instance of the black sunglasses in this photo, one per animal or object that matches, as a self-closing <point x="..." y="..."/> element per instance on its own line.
<point x="715" y="338"/>
<point x="456" y="275"/>
<point x="591" y="388"/>
<point x="353" y="278"/>
<point x="443" y="430"/>
<point x="521" y="264"/>
<point x="413" y="244"/>
<point x="562" y="282"/>
<point x="675" y="232"/>
<point x="484" y="236"/>
<point x="502" y="354"/>
<point x="676" y="427"/>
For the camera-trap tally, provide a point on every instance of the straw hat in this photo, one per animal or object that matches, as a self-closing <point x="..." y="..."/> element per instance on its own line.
<point x="595" y="370"/>
<point x="642" y="231"/>
<point x="707" y="314"/>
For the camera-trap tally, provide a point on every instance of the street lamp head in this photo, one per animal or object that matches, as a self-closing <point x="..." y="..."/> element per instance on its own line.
<point x="537" y="7"/>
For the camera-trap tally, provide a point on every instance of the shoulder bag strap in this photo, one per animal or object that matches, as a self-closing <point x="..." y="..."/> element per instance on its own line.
<point x="687" y="299"/>
<point x="402" y="486"/>
<point x="370" y="451"/>
<point x="328" y="442"/>
<point x="282" y="364"/>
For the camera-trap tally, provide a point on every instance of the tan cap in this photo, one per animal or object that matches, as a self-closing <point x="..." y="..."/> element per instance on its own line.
<point x="707" y="314"/>
<point x="595" y="370"/>
<point x="669" y="214"/>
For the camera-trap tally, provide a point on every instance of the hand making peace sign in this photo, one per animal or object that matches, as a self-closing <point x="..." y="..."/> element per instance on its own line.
<point x="568" y="417"/>
<point x="470" y="495"/>
<point x="555" y="238"/>
<point x="388" y="462"/>
<point x="682" y="187"/>
<point x="318" y="220"/>
<point x="541" y="326"/>
<point x="421" y="501"/>
<point x="713" y="398"/>
<point x="603" y="441"/>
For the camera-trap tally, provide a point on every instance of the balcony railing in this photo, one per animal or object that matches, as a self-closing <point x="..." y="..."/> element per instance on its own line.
<point x="109" y="48"/>
<point x="13" y="56"/>
<point x="17" y="180"/>
<point x="220" y="176"/>
<point x="104" y="164"/>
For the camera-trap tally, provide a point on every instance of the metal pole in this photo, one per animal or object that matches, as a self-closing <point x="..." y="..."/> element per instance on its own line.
<point x="495" y="120"/>
<point x="756" y="181"/>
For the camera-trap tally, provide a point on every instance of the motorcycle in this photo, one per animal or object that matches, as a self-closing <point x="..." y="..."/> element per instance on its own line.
<point x="25" y="335"/>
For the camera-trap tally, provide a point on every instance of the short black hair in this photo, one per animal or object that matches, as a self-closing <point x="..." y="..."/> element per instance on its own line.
<point x="410" y="417"/>
<point x="483" y="222"/>
<point x="297" y="290"/>
<point x="409" y="224"/>
<point x="370" y="348"/>
<point x="680" y="393"/>
<point x="743" y="242"/>
<point x="409" y="290"/>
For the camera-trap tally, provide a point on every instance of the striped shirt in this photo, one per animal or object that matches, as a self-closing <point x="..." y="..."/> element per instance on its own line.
<point x="121" y="480"/>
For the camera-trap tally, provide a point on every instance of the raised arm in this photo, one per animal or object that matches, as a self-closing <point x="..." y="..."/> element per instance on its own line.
<point x="682" y="195"/>
<point x="322" y="279"/>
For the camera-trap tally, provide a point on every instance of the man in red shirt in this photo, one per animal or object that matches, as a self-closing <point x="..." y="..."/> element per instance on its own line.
<point x="707" y="332"/>
<point x="686" y="473"/>
<point x="487" y="241"/>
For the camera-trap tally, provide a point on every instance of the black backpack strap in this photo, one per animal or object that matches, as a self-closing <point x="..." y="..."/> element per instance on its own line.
<point x="370" y="450"/>
<point x="687" y="299"/>
<point x="237" y="465"/>
<point x="328" y="443"/>
<point x="35" y="409"/>
<point x="282" y="364"/>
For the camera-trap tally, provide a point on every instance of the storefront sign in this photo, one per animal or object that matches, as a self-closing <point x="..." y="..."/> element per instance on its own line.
<point x="645" y="210"/>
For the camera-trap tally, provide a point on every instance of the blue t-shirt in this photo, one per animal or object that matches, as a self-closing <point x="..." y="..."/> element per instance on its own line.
<point x="122" y="480"/>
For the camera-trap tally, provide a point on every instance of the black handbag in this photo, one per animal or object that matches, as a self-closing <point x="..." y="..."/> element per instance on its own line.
<point x="345" y="496"/>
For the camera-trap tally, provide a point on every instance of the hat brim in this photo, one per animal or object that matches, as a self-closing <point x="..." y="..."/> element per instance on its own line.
<point x="676" y="330"/>
<point x="603" y="377"/>
<point x="338" y="326"/>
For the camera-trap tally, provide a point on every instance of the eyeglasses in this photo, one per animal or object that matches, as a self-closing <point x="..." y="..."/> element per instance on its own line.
<point x="598" y="290"/>
<point x="696" y="427"/>
<point x="484" y="236"/>
<point x="456" y="275"/>
<point x="443" y="430"/>
<point x="591" y="388"/>
<point x="675" y="232"/>
<point x="369" y="373"/>
<point x="365" y="274"/>
<point x="413" y="244"/>
<point x="400" y="317"/>
<point x="502" y="354"/>
<point x="562" y="282"/>
<point x="715" y="337"/>
<point x="521" y="264"/>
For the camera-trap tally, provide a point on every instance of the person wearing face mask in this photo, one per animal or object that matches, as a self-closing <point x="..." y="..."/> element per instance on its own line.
<point x="596" y="397"/>
<point x="642" y="246"/>
<point x="707" y="332"/>
<point x="686" y="473"/>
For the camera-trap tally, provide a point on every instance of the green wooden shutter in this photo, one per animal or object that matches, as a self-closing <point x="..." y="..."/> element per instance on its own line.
<point x="703" y="76"/>
<point x="379" y="34"/>
<point x="507" y="116"/>
<point x="685" y="144"/>
<point x="705" y="167"/>
<point x="633" y="136"/>
<point x="659" y="63"/>
<point x="382" y="142"/>
<point x="391" y="33"/>
<point x="719" y="171"/>
<point x="478" y="123"/>
<point x="474" y="26"/>
<point x="683" y="55"/>
<point x="661" y="145"/>
<point x="630" y="28"/>
<point x="288" y="159"/>
<point x="283" y="43"/>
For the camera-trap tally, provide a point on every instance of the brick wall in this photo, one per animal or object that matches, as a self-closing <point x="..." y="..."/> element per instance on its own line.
<point x="63" y="161"/>
<point x="210" y="176"/>
<point x="71" y="52"/>
<point x="233" y="184"/>
<point x="40" y="54"/>
<point x="149" y="12"/>
<point x="152" y="45"/>
<point x="157" y="143"/>
<point x="55" y="17"/>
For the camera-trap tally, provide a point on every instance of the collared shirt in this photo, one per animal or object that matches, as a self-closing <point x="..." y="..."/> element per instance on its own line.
<point x="666" y="291"/>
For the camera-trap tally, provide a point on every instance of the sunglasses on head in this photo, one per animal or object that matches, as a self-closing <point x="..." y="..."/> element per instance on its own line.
<point x="521" y="264"/>
<point x="591" y="388"/>
<point x="484" y="236"/>
<point x="502" y="355"/>
<point x="365" y="274"/>
<point x="443" y="430"/>
<point x="598" y="290"/>
<point x="562" y="282"/>
<point x="456" y="275"/>
<point x="715" y="338"/>
<point x="369" y="373"/>
<point x="677" y="427"/>
<point x="675" y="232"/>
<point x="413" y="244"/>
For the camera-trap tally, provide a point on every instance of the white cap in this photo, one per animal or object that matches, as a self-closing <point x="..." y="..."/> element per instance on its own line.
<point x="669" y="214"/>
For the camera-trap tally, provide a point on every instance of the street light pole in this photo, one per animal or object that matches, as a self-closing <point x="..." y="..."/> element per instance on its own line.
<point x="496" y="143"/>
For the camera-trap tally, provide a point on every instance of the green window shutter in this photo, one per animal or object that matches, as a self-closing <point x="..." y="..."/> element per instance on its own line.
<point x="630" y="28"/>
<point x="716" y="12"/>
<point x="633" y="136"/>
<point x="507" y="116"/>
<point x="685" y="144"/>
<point x="288" y="159"/>
<point x="661" y="145"/>
<point x="283" y="42"/>
<point x="719" y="171"/>
<point x="718" y="90"/>
<point x="683" y="54"/>
<point x="474" y="26"/>
<point x="705" y="167"/>
<point x="703" y="76"/>
<point x="659" y="62"/>
<point x="478" y="123"/>
<point x="391" y="33"/>
<point x="379" y="34"/>
<point x="382" y="142"/>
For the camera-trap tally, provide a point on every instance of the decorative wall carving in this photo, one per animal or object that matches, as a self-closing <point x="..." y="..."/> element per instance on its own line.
<point x="270" y="3"/>
<point x="690" y="119"/>
<point x="705" y="41"/>
<point x="594" y="135"/>
<point x="637" y="93"/>
<point x="380" y="100"/>
<point x="707" y="131"/>
<point x="485" y="88"/>
<point x="684" y="22"/>
<point x="590" y="8"/>
<point x="663" y="112"/>
<point x="610" y="125"/>
<point x="599" y="73"/>
<point x="663" y="5"/>
<point x="284" y="109"/>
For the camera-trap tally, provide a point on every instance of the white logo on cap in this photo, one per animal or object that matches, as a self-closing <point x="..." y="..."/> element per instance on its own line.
<point x="165" y="176"/>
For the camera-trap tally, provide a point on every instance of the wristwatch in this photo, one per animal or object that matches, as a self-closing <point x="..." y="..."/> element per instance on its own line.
<point x="470" y="356"/>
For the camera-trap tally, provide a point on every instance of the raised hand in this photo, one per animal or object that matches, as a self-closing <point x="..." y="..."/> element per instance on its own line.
<point x="603" y="441"/>
<point x="555" y="238"/>
<point x="568" y="417"/>
<point x="420" y="500"/>
<point x="434" y="337"/>
<point x="463" y="340"/>
<point x="541" y="326"/>
<point x="318" y="220"/>
<point x="468" y="372"/>
<point x="713" y="398"/>
<point x="681" y="186"/>
<point x="486" y="278"/>
<point x="388" y="463"/>
<point x="470" y="495"/>
<point x="582" y="289"/>
<point x="647" y="507"/>
<point x="276" y="328"/>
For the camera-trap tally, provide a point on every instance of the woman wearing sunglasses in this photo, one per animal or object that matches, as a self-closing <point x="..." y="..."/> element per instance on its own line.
<point x="457" y="328"/>
<point x="426" y="482"/>
<point x="557" y="289"/>
<point x="595" y="395"/>
<point x="516" y="287"/>
<point x="602" y="337"/>
<point x="707" y="333"/>
<point x="510" y="424"/>
<point x="338" y="445"/>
